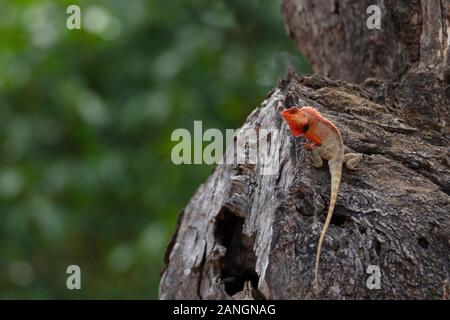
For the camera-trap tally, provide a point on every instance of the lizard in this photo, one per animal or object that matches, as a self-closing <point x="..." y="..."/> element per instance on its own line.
<point x="326" y="144"/>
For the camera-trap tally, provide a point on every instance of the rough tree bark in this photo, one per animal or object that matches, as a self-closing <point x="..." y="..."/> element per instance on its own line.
<point x="408" y="59"/>
<point x="244" y="234"/>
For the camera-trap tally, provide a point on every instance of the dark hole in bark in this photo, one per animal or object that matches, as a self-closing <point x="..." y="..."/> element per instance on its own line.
<point x="363" y="230"/>
<point x="336" y="7"/>
<point x="423" y="242"/>
<point x="238" y="264"/>
<point x="339" y="219"/>
<point x="377" y="247"/>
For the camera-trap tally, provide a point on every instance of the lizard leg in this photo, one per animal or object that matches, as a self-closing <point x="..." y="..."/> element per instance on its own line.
<point x="323" y="152"/>
<point x="309" y="146"/>
<point x="320" y="153"/>
<point x="316" y="158"/>
<point x="351" y="160"/>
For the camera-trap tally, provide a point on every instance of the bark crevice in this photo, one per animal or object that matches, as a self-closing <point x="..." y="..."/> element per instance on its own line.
<point x="238" y="263"/>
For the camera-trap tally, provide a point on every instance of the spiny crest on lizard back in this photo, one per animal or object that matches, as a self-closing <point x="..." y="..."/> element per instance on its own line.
<point x="319" y="117"/>
<point x="303" y="119"/>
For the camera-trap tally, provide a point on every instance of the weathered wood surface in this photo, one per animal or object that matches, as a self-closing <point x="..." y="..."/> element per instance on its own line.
<point x="393" y="212"/>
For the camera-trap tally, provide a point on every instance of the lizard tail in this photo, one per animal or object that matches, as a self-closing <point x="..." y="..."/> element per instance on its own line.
<point x="335" y="166"/>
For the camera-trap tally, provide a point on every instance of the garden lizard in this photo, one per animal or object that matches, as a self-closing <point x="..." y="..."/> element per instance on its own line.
<point x="326" y="144"/>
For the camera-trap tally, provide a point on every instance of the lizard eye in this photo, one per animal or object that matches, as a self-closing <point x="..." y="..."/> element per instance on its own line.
<point x="292" y="111"/>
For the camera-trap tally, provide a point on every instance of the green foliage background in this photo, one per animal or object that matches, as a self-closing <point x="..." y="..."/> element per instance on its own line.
<point x="85" y="124"/>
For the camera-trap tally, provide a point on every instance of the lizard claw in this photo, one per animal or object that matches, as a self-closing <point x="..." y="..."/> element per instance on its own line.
<point x="308" y="146"/>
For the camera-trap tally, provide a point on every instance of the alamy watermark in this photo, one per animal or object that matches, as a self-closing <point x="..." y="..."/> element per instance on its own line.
<point x="374" y="20"/>
<point x="254" y="146"/>
<point x="374" y="280"/>
<point x="74" y="19"/>
<point x="74" y="280"/>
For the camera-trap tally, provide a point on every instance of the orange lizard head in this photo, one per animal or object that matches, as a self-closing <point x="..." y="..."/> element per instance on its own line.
<point x="296" y="119"/>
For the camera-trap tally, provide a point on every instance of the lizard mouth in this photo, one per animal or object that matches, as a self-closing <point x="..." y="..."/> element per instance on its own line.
<point x="286" y="115"/>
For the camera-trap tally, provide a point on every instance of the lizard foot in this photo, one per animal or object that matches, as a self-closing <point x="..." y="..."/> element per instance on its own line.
<point x="352" y="159"/>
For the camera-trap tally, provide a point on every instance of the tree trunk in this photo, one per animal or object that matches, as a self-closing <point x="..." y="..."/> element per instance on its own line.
<point x="408" y="59"/>
<point x="246" y="234"/>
